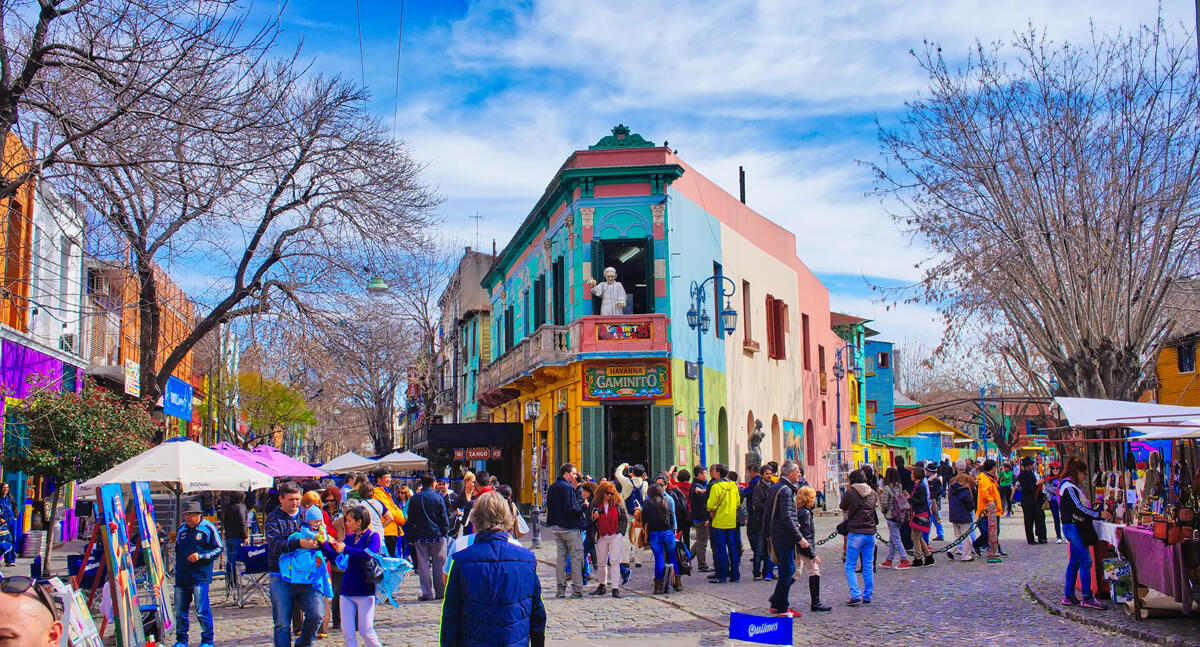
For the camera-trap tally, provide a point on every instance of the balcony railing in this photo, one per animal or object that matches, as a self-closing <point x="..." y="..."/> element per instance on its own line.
<point x="547" y="346"/>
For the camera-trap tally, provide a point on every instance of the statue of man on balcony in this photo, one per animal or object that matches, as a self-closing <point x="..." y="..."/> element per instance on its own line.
<point x="611" y="292"/>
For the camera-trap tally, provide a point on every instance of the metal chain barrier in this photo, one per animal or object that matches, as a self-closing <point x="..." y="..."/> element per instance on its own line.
<point x="943" y="549"/>
<point x="831" y="536"/>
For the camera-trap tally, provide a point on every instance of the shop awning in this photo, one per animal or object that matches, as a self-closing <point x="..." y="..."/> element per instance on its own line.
<point x="1155" y="420"/>
<point x="476" y="434"/>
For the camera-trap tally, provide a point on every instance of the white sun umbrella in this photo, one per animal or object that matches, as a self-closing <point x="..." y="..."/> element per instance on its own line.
<point x="183" y="466"/>
<point x="348" y="462"/>
<point x="402" y="462"/>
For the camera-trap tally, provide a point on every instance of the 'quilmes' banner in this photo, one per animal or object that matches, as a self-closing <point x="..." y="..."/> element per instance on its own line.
<point x="760" y="629"/>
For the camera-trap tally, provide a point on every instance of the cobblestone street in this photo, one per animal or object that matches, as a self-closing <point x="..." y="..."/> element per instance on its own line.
<point x="980" y="604"/>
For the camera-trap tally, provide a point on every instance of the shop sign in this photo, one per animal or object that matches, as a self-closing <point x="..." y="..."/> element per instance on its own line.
<point x="177" y="399"/>
<point x="133" y="378"/>
<point x="622" y="331"/>
<point x="478" y="454"/>
<point x="626" y="381"/>
<point x="560" y="400"/>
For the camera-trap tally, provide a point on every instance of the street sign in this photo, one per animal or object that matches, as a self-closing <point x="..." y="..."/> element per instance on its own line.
<point x="133" y="378"/>
<point x="177" y="399"/>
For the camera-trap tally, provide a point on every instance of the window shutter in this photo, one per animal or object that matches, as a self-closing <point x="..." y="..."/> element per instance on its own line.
<point x="592" y="432"/>
<point x="770" y="326"/>
<point x="662" y="438"/>
<point x="780" y="330"/>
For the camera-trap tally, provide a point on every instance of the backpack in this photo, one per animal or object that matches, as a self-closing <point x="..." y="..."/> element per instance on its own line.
<point x="635" y="500"/>
<point x="682" y="519"/>
<point x="901" y="508"/>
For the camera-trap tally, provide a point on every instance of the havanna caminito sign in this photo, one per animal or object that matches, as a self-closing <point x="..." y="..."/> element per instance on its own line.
<point x="626" y="381"/>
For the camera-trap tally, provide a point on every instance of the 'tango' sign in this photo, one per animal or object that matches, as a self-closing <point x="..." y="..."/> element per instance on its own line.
<point x="626" y="381"/>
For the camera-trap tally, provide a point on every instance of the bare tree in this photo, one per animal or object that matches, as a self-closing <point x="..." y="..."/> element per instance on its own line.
<point x="1059" y="196"/>
<point x="112" y="57"/>
<point x="281" y="190"/>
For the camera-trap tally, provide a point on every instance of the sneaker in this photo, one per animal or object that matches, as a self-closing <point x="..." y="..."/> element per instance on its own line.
<point x="904" y="563"/>
<point x="757" y="578"/>
<point x="717" y="580"/>
<point x="939" y="538"/>
<point x="702" y="569"/>
<point x="950" y="556"/>
<point x="968" y="559"/>
<point x="734" y="580"/>
<point x="181" y="644"/>
<point x="887" y="563"/>
<point x="768" y="578"/>
<point x="866" y="600"/>
<point x="211" y="645"/>
<point x="561" y="593"/>
<point x="1092" y="603"/>
<point x="1058" y="541"/>
<point x="1070" y="601"/>
<point x="423" y="598"/>
<point x="616" y="593"/>
<point x="853" y="602"/>
<point x="817" y="606"/>
<point x="577" y="594"/>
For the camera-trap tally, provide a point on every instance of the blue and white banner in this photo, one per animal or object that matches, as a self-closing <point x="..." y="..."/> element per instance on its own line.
<point x="772" y="630"/>
<point x="177" y="399"/>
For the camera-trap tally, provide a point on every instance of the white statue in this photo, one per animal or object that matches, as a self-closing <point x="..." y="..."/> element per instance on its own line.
<point x="611" y="293"/>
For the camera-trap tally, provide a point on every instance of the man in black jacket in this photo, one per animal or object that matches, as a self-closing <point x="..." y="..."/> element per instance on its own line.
<point x="427" y="527"/>
<point x="762" y="566"/>
<point x="565" y="510"/>
<point x="698" y="502"/>
<point x="780" y="528"/>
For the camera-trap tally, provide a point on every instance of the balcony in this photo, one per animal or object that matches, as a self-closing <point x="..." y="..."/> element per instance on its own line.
<point x="551" y="346"/>
<point x="547" y="346"/>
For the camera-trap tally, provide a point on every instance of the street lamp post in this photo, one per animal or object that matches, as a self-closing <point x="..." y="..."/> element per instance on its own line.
<point x="698" y="320"/>
<point x="983" y="432"/>
<point x="839" y="372"/>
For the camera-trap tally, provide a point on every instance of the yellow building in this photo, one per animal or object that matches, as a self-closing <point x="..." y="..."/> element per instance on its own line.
<point x="1176" y="372"/>
<point x="955" y="443"/>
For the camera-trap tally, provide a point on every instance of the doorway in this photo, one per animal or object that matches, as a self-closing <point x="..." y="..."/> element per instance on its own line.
<point x="628" y="437"/>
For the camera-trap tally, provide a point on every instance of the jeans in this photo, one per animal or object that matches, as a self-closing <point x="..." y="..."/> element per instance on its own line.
<point x="935" y="516"/>
<point x="286" y="596"/>
<point x="895" y="544"/>
<point x="231" y="554"/>
<point x="858" y="544"/>
<point x="783" y="585"/>
<point x="1057" y="520"/>
<point x="185" y="596"/>
<point x="359" y="612"/>
<point x="569" y="544"/>
<point x="662" y="544"/>
<point x="390" y="542"/>
<point x="760" y="562"/>
<point x="430" y="561"/>
<point x="725" y="553"/>
<point x="1080" y="563"/>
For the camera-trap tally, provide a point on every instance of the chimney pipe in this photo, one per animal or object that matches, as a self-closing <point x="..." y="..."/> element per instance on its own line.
<point x="493" y="248"/>
<point x="742" y="183"/>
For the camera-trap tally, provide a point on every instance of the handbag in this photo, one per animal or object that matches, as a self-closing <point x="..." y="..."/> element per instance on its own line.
<point x="683" y="559"/>
<point x="843" y="528"/>
<point x="920" y="522"/>
<point x="1087" y="532"/>
<point x="371" y="570"/>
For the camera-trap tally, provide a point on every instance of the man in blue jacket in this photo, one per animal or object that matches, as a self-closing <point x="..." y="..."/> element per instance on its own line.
<point x="428" y="526"/>
<point x="493" y="595"/>
<point x="197" y="544"/>
<point x="564" y="517"/>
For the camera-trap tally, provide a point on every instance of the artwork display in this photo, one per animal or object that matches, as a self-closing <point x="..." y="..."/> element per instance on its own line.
<point x="77" y="620"/>
<point x="119" y="560"/>
<point x="156" y="573"/>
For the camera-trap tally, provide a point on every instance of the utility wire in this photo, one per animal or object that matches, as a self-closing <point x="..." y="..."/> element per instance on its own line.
<point x="362" y="68"/>
<point x="399" y="45"/>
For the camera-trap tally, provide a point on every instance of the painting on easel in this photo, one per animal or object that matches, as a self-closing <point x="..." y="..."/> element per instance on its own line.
<point x="120" y="567"/>
<point x="152" y="556"/>
<point x="81" y="629"/>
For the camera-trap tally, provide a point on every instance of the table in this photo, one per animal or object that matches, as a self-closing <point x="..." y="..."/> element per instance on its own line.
<point x="1157" y="565"/>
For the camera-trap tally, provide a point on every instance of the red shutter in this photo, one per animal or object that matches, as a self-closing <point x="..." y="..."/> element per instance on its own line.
<point x="781" y="331"/>
<point x="771" y="331"/>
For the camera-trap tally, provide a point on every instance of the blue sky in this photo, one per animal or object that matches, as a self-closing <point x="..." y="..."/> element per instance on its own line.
<point x="494" y="96"/>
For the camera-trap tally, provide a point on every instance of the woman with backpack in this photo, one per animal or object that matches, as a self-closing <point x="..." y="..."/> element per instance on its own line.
<point x="1077" y="519"/>
<point x="893" y="501"/>
<point x="657" y="522"/>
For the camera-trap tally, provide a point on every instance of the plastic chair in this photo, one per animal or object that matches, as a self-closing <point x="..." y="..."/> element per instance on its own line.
<point x="251" y="568"/>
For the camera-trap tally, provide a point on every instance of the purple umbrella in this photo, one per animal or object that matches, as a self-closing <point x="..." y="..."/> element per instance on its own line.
<point x="229" y="450"/>
<point x="285" y="465"/>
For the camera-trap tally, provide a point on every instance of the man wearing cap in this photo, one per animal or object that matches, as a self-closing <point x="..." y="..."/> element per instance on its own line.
<point x="197" y="544"/>
<point x="611" y="292"/>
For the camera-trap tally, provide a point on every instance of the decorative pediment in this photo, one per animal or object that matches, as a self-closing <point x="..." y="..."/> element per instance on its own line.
<point x="621" y="138"/>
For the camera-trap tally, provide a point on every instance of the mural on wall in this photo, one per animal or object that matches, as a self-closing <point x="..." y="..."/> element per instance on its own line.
<point x="793" y="441"/>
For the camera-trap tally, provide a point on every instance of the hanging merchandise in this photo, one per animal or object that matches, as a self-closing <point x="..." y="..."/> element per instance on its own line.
<point x="156" y="575"/>
<point x="120" y="567"/>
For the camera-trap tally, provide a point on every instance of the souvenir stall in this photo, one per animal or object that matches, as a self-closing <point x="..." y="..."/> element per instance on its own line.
<point x="1141" y="459"/>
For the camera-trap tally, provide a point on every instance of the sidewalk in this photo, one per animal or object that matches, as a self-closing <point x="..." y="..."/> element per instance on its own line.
<point x="1046" y="588"/>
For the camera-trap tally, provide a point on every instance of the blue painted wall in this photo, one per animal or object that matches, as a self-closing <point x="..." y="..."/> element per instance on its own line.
<point x="881" y="386"/>
<point x="693" y="240"/>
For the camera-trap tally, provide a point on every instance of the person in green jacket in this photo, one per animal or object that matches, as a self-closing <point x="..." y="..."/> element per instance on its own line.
<point x="1005" y="483"/>
<point x="723" y="501"/>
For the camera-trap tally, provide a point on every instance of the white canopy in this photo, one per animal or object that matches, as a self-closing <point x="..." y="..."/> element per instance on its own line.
<point x="1153" y="421"/>
<point x="184" y="466"/>
<point x="403" y="462"/>
<point x="348" y="462"/>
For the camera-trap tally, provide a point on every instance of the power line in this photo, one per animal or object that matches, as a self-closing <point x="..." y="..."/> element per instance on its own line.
<point x="362" y="68"/>
<point x="399" y="44"/>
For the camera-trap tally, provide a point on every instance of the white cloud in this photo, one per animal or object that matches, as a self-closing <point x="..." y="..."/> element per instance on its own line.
<point x="903" y="323"/>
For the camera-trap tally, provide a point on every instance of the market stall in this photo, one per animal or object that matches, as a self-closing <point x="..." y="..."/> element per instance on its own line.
<point x="1140" y="458"/>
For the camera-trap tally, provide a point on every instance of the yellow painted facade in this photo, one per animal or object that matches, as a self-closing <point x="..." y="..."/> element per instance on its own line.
<point x="1177" y="387"/>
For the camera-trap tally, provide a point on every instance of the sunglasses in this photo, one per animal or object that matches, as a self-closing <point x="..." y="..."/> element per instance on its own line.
<point x="19" y="584"/>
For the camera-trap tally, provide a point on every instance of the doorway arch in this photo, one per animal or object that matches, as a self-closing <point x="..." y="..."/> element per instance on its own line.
<point x="723" y="436"/>
<point x="776" y="439"/>
<point x="810" y="446"/>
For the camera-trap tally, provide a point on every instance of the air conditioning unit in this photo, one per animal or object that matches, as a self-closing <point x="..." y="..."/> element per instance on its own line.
<point x="66" y="343"/>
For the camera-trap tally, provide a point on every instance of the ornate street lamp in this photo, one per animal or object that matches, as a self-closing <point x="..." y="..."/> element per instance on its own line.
<point x="699" y="320"/>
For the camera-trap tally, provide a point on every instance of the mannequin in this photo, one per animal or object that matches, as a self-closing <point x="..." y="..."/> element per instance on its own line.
<point x="611" y="292"/>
